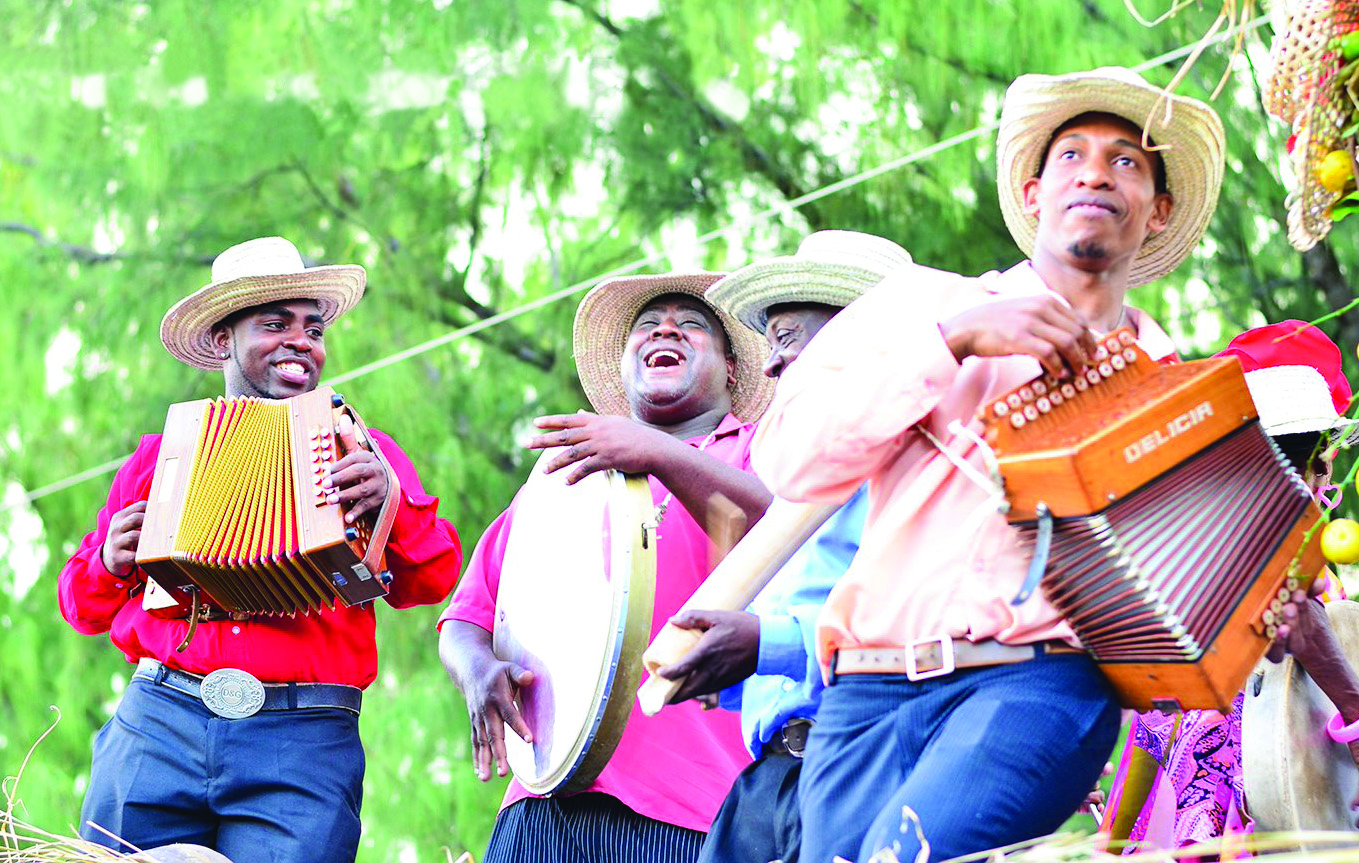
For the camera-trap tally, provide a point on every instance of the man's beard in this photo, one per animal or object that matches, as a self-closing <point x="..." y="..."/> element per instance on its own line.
<point x="1087" y="250"/>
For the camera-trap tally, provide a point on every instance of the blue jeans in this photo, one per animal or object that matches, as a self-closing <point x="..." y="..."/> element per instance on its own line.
<point x="280" y="786"/>
<point x="984" y="757"/>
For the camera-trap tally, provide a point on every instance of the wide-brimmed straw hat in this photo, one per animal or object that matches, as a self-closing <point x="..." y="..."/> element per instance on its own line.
<point x="266" y="270"/>
<point x="830" y="267"/>
<point x="1296" y="379"/>
<point x="1187" y="131"/>
<point x="605" y="317"/>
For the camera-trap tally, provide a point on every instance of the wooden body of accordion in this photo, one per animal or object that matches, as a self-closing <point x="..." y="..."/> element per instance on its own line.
<point x="237" y="509"/>
<point x="1177" y="526"/>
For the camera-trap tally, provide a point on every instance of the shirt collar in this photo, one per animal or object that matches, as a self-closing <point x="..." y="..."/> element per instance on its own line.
<point x="1022" y="279"/>
<point x="730" y="425"/>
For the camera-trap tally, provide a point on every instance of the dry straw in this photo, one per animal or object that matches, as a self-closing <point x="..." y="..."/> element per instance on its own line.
<point x="21" y="842"/>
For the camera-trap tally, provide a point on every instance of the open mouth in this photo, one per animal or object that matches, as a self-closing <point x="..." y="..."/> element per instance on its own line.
<point x="663" y="359"/>
<point x="292" y="372"/>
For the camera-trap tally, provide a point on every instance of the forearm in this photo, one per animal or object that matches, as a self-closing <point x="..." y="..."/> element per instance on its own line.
<point x="695" y="478"/>
<point x="91" y="596"/>
<point x="845" y="406"/>
<point x="423" y="552"/>
<point x="1324" y="660"/>
<point x="464" y="649"/>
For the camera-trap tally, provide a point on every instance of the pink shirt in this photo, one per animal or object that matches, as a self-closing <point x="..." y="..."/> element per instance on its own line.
<point x="675" y="766"/>
<point x="936" y="558"/>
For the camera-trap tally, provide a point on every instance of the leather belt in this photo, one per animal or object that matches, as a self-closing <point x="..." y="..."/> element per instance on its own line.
<point x="791" y="739"/>
<point x="235" y="694"/>
<point x="937" y="656"/>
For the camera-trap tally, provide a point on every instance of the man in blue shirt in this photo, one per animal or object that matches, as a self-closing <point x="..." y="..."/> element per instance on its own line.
<point x="763" y="661"/>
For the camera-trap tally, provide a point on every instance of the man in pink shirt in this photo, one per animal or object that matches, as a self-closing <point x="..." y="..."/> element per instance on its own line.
<point x="677" y="387"/>
<point x="950" y="710"/>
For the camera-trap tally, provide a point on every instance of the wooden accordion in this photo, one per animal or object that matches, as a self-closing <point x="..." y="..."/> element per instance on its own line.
<point x="1177" y="527"/>
<point x="237" y="509"/>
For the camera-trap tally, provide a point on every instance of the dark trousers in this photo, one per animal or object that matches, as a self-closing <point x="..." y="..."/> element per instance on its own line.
<point x="586" y="828"/>
<point x="982" y="758"/>
<point x="759" y="820"/>
<point x="277" y="787"/>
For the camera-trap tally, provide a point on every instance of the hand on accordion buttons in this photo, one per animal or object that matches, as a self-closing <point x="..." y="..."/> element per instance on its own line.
<point x="593" y="443"/>
<point x="359" y="477"/>
<point x="1303" y="625"/>
<point x="1040" y="326"/>
<point x="725" y="655"/>
<point x="119" y="552"/>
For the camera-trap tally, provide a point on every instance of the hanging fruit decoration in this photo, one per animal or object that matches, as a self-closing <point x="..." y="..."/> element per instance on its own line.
<point x="1314" y="86"/>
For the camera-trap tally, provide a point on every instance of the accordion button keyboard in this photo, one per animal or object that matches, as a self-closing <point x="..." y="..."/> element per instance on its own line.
<point x="1030" y="413"/>
<point x="1014" y="401"/>
<point x="1001" y="409"/>
<point x="1117" y="362"/>
<point x="1026" y="393"/>
<point x="1043" y="404"/>
<point x="1040" y="388"/>
<point x="1068" y="391"/>
<point x="1106" y="370"/>
<point x="1017" y="420"/>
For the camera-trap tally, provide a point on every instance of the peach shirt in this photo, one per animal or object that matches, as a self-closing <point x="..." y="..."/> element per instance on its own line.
<point x="936" y="558"/>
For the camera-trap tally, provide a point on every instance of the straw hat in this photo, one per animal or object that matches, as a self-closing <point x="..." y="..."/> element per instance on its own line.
<point x="831" y="267"/>
<point x="1188" y="131"/>
<point x="605" y="317"/>
<point x="266" y="270"/>
<point x="1296" y="379"/>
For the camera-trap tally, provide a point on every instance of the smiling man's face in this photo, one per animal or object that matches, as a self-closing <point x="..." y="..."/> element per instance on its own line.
<point x="676" y="364"/>
<point x="275" y="351"/>
<point x="1096" y="198"/>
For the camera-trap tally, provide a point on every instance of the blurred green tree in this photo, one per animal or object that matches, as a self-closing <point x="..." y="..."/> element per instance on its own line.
<point x="475" y="157"/>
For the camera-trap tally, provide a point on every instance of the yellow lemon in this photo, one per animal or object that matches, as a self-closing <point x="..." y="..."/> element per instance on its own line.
<point x="1336" y="170"/>
<point x="1340" y="541"/>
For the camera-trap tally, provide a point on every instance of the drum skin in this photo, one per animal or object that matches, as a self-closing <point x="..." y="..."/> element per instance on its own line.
<point x="1295" y="776"/>
<point x="574" y="606"/>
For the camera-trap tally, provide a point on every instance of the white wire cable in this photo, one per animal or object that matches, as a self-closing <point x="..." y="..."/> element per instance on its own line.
<point x="631" y="267"/>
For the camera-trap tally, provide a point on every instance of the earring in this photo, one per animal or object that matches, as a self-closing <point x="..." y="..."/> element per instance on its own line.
<point x="224" y="354"/>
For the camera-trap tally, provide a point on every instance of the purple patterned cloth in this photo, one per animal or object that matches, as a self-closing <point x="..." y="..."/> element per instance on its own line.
<point x="1191" y="770"/>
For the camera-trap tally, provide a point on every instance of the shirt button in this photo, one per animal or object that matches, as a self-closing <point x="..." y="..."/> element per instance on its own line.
<point x="119" y="585"/>
<point x="788" y="686"/>
<point x="235" y="630"/>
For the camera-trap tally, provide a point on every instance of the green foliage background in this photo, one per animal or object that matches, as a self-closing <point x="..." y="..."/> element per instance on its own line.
<point x="476" y="156"/>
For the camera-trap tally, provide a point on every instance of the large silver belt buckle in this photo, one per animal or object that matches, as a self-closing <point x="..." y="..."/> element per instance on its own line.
<point x="232" y="693"/>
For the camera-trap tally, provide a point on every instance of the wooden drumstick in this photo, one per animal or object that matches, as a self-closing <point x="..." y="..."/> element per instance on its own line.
<point x="732" y="585"/>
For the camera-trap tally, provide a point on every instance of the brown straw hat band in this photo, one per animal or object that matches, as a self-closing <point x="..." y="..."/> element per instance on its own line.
<point x="605" y="317"/>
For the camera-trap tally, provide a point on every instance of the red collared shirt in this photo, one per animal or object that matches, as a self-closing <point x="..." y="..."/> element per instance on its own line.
<point x="678" y="765"/>
<point x="337" y="646"/>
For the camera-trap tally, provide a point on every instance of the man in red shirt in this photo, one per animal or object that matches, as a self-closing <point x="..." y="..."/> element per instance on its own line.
<point x="283" y="784"/>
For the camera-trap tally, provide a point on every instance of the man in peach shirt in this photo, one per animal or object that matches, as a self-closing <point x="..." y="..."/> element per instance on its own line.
<point x="948" y="705"/>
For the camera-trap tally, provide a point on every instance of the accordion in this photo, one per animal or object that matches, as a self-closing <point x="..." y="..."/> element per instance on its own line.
<point x="238" y="511"/>
<point x="1172" y="526"/>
